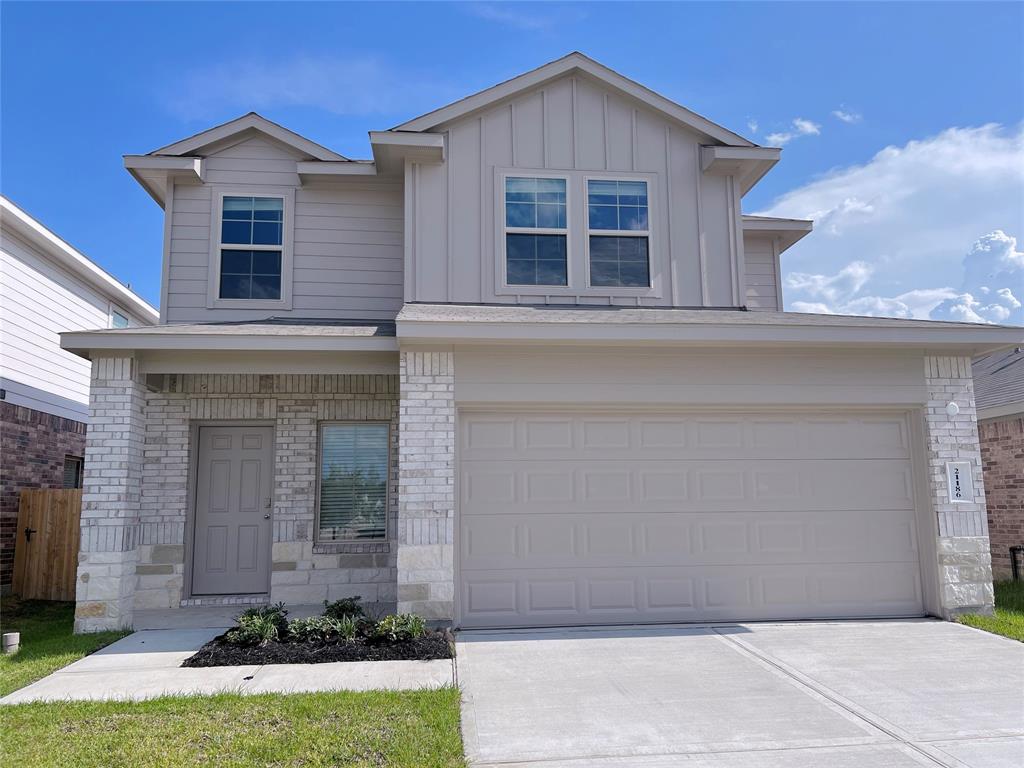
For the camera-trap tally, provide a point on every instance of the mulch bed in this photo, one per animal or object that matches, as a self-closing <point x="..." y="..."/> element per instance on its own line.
<point x="217" y="653"/>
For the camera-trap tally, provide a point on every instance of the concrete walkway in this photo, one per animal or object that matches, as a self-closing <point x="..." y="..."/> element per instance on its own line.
<point x="801" y="695"/>
<point x="146" y="665"/>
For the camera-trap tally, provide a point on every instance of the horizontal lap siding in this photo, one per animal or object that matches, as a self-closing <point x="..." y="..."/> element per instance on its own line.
<point x="761" y="276"/>
<point x="38" y="301"/>
<point x="347" y="249"/>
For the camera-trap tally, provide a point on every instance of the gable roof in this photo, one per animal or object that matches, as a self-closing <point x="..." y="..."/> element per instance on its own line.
<point x="248" y="123"/>
<point x="59" y="250"/>
<point x="999" y="383"/>
<point x="574" y="62"/>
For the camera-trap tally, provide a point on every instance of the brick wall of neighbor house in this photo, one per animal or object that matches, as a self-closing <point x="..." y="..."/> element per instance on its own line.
<point x="33" y="445"/>
<point x="426" y="485"/>
<point x="302" y="570"/>
<point x="965" y="567"/>
<point x="1002" y="451"/>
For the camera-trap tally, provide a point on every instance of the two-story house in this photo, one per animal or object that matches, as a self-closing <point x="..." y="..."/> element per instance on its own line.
<point x="527" y="366"/>
<point x="47" y="286"/>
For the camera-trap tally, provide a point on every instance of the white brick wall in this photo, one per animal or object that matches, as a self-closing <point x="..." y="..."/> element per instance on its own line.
<point x="295" y="404"/>
<point x="965" y="568"/>
<point x="426" y="484"/>
<point x="105" y="583"/>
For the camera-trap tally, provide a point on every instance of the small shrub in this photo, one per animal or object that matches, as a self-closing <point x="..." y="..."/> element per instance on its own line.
<point x="399" y="628"/>
<point x="321" y="629"/>
<point x="259" y="625"/>
<point x="348" y="606"/>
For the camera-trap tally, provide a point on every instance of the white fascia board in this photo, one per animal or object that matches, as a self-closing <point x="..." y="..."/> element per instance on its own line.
<point x="391" y="149"/>
<point x="788" y="231"/>
<point x="76" y="262"/>
<point x="318" y="169"/>
<point x="152" y="172"/>
<point x="87" y="343"/>
<point x="575" y="61"/>
<point x="251" y="121"/>
<point x="965" y="341"/>
<point x="747" y="164"/>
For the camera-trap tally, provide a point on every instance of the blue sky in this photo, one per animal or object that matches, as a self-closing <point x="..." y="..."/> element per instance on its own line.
<point x="900" y="230"/>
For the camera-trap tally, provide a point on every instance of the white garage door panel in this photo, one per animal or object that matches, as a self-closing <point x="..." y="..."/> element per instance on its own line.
<point x="605" y="517"/>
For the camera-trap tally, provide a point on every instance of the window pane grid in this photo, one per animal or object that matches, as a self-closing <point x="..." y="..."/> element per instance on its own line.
<point x="353" y="482"/>
<point x="250" y="274"/>
<point x="619" y="255"/>
<point x="535" y="238"/>
<point x="252" y="221"/>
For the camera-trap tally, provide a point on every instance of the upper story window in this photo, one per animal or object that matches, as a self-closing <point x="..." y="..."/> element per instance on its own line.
<point x="251" y="244"/>
<point x="118" y="319"/>
<point x="536" y="234"/>
<point x="618" y="234"/>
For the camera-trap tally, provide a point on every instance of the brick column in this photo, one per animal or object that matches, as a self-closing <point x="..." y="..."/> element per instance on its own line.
<point x="426" y="484"/>
<point x="111" y="496"/>
<point x="964" y="567"/>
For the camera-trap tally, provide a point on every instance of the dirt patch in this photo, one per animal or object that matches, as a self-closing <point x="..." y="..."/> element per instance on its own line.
<point x="217" y="653"/>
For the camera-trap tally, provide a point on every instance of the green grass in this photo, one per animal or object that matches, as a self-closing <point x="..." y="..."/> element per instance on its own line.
<point x="419" y="729"/>
<point x="47" y="643"/>
<point x="1008" y="619"/>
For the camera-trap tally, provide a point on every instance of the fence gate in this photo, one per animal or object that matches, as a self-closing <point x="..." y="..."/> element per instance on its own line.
<point x="46" y="552"/>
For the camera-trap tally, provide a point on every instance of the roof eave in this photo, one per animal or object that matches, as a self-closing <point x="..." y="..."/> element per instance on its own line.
<point x="966" y="341"/>
<point x="89" y="344"/>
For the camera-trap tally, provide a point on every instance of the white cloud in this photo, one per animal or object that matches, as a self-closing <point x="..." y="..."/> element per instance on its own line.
<point x="799" y="127"/>
<point x="911" y="213"/>
<point x="341" y="85"/>
<point x="753" y="125"/>
<point x="846" y="115"/>
<point x="993" y="258"/>
<point x="516" y="15"/>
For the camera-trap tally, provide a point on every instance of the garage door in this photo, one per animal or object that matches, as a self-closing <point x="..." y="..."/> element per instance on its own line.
<point x="594" y="518"/>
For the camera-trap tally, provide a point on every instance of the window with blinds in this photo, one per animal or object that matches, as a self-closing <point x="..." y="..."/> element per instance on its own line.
<point x="353" y="482"/>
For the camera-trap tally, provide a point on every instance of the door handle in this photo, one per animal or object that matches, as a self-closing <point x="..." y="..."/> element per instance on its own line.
<point x="29" y="532"/>
<point x="266" y="516"/>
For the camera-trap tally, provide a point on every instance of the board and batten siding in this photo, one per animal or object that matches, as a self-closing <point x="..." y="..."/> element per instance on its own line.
<point x="38" y="301"/>
<point x="576" y="125"/>
<point x="347" y="255"/>
<point x="761" y="270"/>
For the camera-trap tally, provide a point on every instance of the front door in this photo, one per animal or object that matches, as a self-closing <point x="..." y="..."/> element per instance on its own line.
<point x="233" y="506"/>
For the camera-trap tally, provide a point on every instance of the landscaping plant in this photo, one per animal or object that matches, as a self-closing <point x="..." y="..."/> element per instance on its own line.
<point x="322" y="629"/>
<point x="399" y="628"/>
<point x="348" y="606"/>
<point x="259" y="626"/>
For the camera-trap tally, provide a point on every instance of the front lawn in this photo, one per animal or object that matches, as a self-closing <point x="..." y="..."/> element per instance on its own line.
<point x="47" y="643"/>
<point x="1008" y="619"/>
<point x="419" y="729"/>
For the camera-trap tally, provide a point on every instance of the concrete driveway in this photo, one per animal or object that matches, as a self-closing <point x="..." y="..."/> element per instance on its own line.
<point x="801" y="695"/>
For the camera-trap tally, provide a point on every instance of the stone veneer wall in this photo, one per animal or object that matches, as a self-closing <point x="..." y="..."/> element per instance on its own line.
<point x="965" y="569"/>
<point x="1002" y="451"/>
<point x="33" y="445"/>
<point x="426" y="484"/>
<point x="302" y="571"/>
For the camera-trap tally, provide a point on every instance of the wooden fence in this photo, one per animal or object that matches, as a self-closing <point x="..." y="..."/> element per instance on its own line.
<point x="46" y="552"/>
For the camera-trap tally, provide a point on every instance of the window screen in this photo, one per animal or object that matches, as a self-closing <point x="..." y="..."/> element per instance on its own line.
<point x="72" y="472"/>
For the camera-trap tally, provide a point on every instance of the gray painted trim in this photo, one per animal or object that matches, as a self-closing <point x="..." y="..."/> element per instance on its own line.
<point x="87" y="342"/>
<point x="1000" y="411"/>
<point x="250" y="121"/>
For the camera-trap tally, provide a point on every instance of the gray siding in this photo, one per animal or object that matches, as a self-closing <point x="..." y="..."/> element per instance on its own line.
<point x="347" y="259"/>
<point x="578" y="126"/>
<point x="761" y="274"/>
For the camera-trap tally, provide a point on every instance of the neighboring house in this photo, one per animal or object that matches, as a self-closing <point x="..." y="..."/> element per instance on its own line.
<point x="526" y="366"/>
<point x="46" y="287"/>
<point x="999" y="391"/>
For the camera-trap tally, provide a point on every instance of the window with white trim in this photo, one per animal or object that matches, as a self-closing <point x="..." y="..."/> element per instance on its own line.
<point x="352" y="501"/>
<point x="118" y="319"/>
<point x="536" y="235"/>
<point x="251" y="247"/>
<point x="618" y="234"/>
